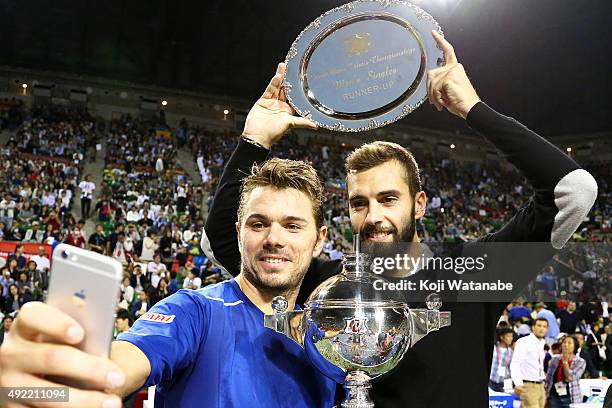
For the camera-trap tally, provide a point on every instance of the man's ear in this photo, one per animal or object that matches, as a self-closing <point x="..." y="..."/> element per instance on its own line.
<point x="238" y="236"/>
<point x="322" y="233"/>
<point x="420" y="203"/>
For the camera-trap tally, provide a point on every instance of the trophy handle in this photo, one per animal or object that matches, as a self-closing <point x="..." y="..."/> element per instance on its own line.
<point x="286" y="322"/>
<point x="426" y="321"/>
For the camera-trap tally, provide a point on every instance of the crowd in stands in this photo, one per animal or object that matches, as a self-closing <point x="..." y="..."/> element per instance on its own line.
<point x="586" y="324"/>
<point x="149" y="214"/>
<point x="465" y="199"/>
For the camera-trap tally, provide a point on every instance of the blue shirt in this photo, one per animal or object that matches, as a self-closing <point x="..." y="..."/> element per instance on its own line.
<point x="553" y="327"/>
<point x="549" y="282"/>
<point x="519" y="311"/>
<point x="209" y="348"/>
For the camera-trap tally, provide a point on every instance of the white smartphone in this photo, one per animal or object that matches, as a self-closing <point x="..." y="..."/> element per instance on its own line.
<point x="85" y="285"/>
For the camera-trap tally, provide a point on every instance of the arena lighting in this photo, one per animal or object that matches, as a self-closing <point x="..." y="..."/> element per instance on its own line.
<point x="441" y="210"/>
<point x="164" y="102"/>
<point x="452" y="146"/>
<point x="225" y="111"/>
<point x="24" y="86"/>
<point x="569" y="149"/>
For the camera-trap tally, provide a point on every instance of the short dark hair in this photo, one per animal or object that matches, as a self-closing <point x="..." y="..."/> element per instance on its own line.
<point x="575" y="340"/>
<point x="502" y="331"/>
<point x="540" y="319"/>
<point x="123" y="314"/>
<point x="376" y="153"/>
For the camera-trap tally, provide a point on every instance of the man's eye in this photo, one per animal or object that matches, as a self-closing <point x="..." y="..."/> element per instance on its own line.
<point x="358" y="204"/>
<point x="257" y="225"/>
<point x="389" y="199"/>
<point x="293" y="227"/>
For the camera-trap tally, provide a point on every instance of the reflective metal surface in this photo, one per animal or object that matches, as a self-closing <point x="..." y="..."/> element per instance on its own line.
<point x="351" y="333"/>
<point x="362" y="65"/>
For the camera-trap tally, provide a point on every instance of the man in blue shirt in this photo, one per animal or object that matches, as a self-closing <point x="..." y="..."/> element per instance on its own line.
<point x="553" y="326"/>
<point x="206" y="347"/>
<point x="213" y="339"/>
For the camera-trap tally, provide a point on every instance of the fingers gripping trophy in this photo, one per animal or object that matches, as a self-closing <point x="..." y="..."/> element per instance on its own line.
<point x="357" y="67"/>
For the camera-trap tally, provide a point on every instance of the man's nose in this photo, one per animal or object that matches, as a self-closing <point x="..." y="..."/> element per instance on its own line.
<point x="275" y="237"/>
<point x="375" y="214"/>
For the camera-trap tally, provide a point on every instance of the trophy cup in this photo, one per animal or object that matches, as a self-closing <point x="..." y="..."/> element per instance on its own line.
<point x="352" y="332"/>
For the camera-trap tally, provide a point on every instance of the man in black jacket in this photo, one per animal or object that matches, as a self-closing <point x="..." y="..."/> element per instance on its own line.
<point x="385" y="199"/>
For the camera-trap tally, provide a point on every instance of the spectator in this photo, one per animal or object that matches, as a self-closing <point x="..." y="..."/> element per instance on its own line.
<point x="7" y="209"/>
<point x="97" y="240"/>
<point x="113" y="238"/>
<point x="122" y="322"/>
<point x="25" y="284"/>
<point x="42" y="262"/>
<point x="19" y="257"/>
<point x="173" y="285"/>
<point x="140" y="305"/>
<point x="165" y="247"/>
<point x="594" y="344"/>
<point x="156" y="270"/>
<point x="555" y="349"/>
<point x="336" y="253"/>
<point x="126" y="293"/>
<point x="149" y="246"/>
<point x="123" y="247"/>
<point x="562" y="379"/>
<point x="527" y="366"/>
<point x="553" y="326"/>
<point x="75" y="238"/>
<point x="569" y="318"/>
<point x="87" y="188"/>
<point x="591" y="368"/>
<point x="34" y="234"/>
<point x="139" y="281"/>
<point x="519" y="311"/>
<point x="7" y="322"/>
<point x="502" y="356"/>
<point x="5" y="282"/>
<point x="13" y="300"/>
<point x="192" y="281"/>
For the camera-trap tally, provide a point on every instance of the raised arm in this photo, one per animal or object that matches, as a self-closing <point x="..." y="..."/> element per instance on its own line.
<point x="269" y="118"/>
<point x="564" y="193"/>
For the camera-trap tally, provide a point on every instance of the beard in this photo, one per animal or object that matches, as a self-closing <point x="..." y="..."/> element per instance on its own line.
<point x="405" y="234"/>
<point x="401" y="244"/>
<point x="272" y="282"/>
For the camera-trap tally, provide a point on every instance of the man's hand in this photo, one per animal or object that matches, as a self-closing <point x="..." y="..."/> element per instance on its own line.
<point x="448" y="86"/>
<point x="519" y="390"/>
<point x="42" y="343"/>
<point x="272" y="116"/>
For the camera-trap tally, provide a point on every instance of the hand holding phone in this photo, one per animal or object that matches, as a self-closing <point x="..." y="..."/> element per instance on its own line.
<point x="43" y="343"/>
<point x="60" y="340"/>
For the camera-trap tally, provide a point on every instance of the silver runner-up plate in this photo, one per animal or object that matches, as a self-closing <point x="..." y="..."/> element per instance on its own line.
<point x="362" y="65"/>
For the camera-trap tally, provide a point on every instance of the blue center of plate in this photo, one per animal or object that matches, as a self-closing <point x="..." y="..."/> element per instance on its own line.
<point x="363" y="64"/>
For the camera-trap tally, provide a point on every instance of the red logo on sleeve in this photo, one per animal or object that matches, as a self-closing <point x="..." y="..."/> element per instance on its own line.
<point x="157" y="317"/>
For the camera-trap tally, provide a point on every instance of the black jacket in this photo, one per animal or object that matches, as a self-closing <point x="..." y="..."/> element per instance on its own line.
<point x="454" y="363"/>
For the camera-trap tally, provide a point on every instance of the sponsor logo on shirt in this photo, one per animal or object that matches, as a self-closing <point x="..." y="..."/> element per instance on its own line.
<point x="157" y="317"/>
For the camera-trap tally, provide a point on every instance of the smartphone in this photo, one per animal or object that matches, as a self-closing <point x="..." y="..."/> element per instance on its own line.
<point x="85" y="285"/>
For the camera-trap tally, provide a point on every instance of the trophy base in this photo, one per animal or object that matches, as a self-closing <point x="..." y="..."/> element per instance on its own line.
<point x="358" y="384"/>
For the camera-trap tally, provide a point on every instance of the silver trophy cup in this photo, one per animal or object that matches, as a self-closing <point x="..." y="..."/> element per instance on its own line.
<point x="354" y="333"/>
